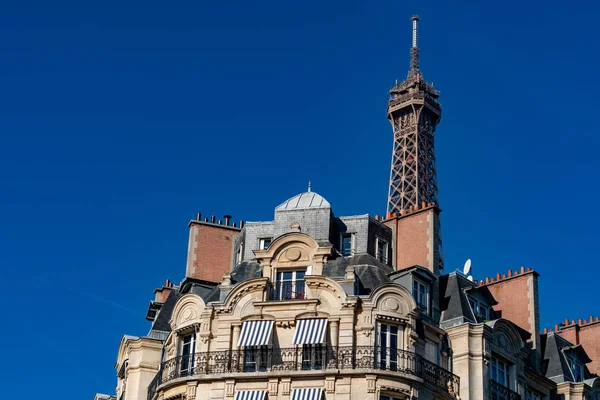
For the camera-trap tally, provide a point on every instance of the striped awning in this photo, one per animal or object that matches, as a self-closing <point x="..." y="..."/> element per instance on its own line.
<point x="250" y="395"/>
<point x="307" y="394"/>
<point x="310" y="331"/>
<point x="255" y="333"/>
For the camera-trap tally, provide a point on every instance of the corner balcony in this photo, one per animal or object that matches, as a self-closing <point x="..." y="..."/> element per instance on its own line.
<point x="273" y="361"/>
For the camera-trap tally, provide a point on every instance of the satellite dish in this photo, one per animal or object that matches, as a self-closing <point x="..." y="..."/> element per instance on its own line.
<point x="467" y="267"/>
<point x="470" y="278"/>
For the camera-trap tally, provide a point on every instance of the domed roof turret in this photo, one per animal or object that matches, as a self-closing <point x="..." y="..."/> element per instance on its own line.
<point x="304" y="201"/>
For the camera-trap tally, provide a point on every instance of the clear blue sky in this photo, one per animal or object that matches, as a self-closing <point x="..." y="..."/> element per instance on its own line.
<point x="120" y="122"/>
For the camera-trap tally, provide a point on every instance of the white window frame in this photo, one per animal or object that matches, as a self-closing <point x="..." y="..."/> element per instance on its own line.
<point x="399" y="343"/>
<point x="496" y="363"/>
<point x="342" y="235"/>
<point x="279" y="283"/>
<point x="239" y="256"/>
<point x="426" y="294"/>
<point x="385" y="250"/>
<point x="192" y="344"/>
<point x="261" y="243"/>
<point x="575" y="364"/>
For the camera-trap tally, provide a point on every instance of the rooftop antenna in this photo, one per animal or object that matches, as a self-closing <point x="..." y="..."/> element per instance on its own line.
<point x="467" y="270"/>
<point x="414" y="50"/>
<point x="309" y="182"/>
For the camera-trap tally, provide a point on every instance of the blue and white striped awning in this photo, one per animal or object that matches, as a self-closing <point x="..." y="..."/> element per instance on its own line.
<point x="310" y="331"/>
<point x="307" y="394"/>
<point x="250" y="395"/>
<point x="255" y="333"/>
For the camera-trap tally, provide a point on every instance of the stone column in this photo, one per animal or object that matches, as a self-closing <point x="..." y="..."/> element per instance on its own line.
<point x="236" y="336"/>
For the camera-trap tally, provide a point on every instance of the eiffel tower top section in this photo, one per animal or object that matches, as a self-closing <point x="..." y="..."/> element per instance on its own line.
<point x="414" y="87"/>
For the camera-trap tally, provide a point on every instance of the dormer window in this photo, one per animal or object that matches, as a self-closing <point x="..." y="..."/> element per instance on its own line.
<point x="482" y="312"/>
<point x="382" y="250"/>
<point x="346" y="244"/>
<point x="421" y="295"/>
<point x="576" y="370"/>
<point x="264" y="243"/>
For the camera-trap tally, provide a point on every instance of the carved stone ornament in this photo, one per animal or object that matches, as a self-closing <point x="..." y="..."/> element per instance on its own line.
<point x="391" y="304"/>
<point x="188" y="314"/>
<point x="502" y="341"/>
<point x="293" y="254"/>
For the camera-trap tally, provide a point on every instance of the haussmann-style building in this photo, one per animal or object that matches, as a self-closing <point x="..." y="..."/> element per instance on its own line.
<point x="315" y="306"/>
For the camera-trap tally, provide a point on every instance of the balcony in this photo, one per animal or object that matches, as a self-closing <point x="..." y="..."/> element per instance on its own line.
<point x="269" y="360"/>
<point x="500" y="392"/>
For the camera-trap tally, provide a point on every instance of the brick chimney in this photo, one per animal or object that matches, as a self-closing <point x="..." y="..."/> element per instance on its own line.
<point x="517" y="296"/>
<point x="210" y="248"/>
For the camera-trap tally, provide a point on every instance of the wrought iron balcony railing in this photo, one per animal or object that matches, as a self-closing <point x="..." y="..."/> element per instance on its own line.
<point x="313" y="358"/>
<point x="500" y="392"/>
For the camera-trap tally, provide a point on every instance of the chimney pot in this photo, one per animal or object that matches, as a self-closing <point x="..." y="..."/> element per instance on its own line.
<point x="573" y="322"/>
<point x="428" y="204"/>
<point x="591" y="319"/>
<point x="522" y="269"/>
<point x="509" y="273"/>
<point x="566" y="322"/>
<point x="481" y="283"/>
<point x="423" y="205"/>
<point x="579" y="322"/>
<point x="198" y="217"/>
<point x="498" y="276"/>
<point x="241" y="224"/>
<point x="389" y="215"/>
<point x="585" y="322"/>
<point x="411" y="208"/>
<point x="545" y="330"/>
<point x="403" y="212"/>
<point x="503" y="276"/>
<point x="220" y="222"/>
<point x="597" y="319"/>
<point x="377" y="218"/>
<point x="556" y="327"/>
<point x="205" y="219"/>
<point x="233" y="225"/>
<point x="516" y="273"/>
<point x="528" y="269"/>
<point x="227" y="219"/>
<point x="212" y="219"/>
<point x="487" y="280"/>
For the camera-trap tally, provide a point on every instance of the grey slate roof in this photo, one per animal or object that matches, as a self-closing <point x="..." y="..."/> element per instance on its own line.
<point x="554" y="348"/>
<point x="454" y="304"/>
<point x="161" y="322"/>
<point x="369" y="271"/>
<point x="245" y="271"/>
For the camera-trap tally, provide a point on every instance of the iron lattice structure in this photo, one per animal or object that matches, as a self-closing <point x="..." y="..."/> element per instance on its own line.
<point x="414" y="112"/>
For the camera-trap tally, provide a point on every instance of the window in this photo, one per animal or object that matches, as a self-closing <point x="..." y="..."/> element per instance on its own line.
<point x="239" y="254"/>
<point x="529" y="395"/>
<point x="289" y="285"/>
<point x="577" y="370"/>
<point x="389" y="340"/>
<point x="421" y="295"/>
<point x="255" y="358"/>
<point x="500" y="372"/>
<point x="382" y="250"/>
<point x="481" y="311"/>
<point x="313" y="356"/>
<point x="384" y="397"/>
<point x="264" y="243"/>
<point x="346" y="244"/>
<point x="188" y="348"/>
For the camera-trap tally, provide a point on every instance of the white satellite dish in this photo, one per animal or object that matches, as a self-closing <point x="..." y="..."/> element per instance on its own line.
<point x="470" y="278"/>
<point x="467" y="267"/>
